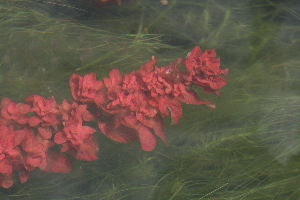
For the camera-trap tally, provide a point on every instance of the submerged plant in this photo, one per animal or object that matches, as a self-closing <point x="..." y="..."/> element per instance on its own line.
<point x="126" y="108"/>
<point x="248" y="148"/>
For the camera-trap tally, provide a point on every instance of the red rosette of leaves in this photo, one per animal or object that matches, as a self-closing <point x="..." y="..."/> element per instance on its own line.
<point x="26" y="136"/>
<point x="131" y="107"/>
<point x="74" y="137"/>
<point x="203" y="70"/>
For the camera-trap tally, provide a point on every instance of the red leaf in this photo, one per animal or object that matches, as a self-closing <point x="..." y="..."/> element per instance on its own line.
<point x="34" y="121"/>
<point x="121" y="134"/>
<point x="89" y="81"/>
<point x="86" y="150"/>
<point x="7" y="182"/>
<point x="33" y="160"/>
<point x="115" y="79"/>
<point x="74" y="85"/>
<point x="157" y="124"/>
<point x="57" y="163"/>
<point x="5" y="167"/>
<point x="191" y="97"/>
<point x="23" y="174"/>
<point x="60" y="138"/>
<point x="173" y="105"/>
<point x="45" y="133"/>
<point x="19" y="136"/>
<point x="147" y="139"/>
<point x="147" y="68"/>
<point x="217" y="83"/>
<point x="101" y="97"/>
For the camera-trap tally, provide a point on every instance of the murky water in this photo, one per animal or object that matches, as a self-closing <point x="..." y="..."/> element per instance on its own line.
<point x="247" y="148"/>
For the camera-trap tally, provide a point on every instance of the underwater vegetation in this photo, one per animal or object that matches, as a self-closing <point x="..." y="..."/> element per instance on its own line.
<point x="246" y="148"/>
<point x="125" y="108"/>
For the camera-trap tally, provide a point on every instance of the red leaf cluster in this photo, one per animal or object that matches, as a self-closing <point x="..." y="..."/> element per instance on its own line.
<point x="130" y="107"/>
<point x="28" y="131"/>
<point x="203" y="70"/>
<point x="126" y="108"/>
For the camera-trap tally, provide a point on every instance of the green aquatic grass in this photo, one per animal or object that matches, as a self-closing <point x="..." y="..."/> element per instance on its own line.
<point x="37" y="47"/>
<point x="233" y="164"/>
<point x="248" y="148"/>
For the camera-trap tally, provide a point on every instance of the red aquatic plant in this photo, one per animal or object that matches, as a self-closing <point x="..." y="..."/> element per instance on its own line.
<point x="126" y="108"/>
<point x="203" y="70"/>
